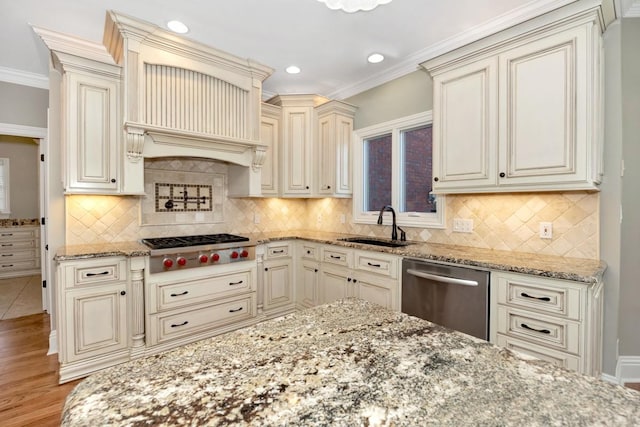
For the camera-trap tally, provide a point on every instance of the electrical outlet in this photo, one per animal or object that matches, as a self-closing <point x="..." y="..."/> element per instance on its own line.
<point x="319" y="218"/>
<point x="256" y="218"/>
<point x="546" y="230"/>
<point x="462" y="225"/>
<point x="343" y="218"/>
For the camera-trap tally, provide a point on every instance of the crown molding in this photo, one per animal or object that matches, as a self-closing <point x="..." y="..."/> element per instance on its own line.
<point x="24" y="78"/>
<point x="410" y="63"/>
<point x="21" y="130"/>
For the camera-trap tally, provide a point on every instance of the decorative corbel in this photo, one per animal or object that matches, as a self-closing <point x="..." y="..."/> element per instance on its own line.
<point x="259" y="156"/>
<point x="135" y="143"/>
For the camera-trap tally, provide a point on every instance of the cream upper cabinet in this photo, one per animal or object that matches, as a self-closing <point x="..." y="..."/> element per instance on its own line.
<point x="465" y="126"/>
<point x="270" y="136"/>
<point x="315" y="150"/>
<point x="91" y="133"/>
<point x="333" y="142"/>
<point x="521" y="110"/>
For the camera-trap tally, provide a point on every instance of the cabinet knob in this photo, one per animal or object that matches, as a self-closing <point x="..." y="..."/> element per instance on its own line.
<point x="436" y="179"/>
<point x="328" y="187"/>
<point x="266" y="269"/>
<point x="315" y="270"/>
<point x="502" y="174"/>
<point x="123" y="293"/>
<point x="348" y="279"/>
<point x="354" y="280"/>
<point x="307" y="187"/>
<point x="113" y="180"/>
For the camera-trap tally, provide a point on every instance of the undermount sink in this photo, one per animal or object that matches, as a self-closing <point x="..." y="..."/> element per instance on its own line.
<point x="376" y="242"/>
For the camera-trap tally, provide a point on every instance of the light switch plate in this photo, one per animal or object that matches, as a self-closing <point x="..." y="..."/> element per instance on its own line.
<point x="546" y="230"/>
<point x="461" y="225"/>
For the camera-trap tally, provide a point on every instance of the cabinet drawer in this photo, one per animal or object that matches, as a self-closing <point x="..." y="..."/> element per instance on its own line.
<point x="278" y="250"/>
<point x="548" y="331"/>
<point x="18" y="255"/>
<point x="337" y="255"/>
<point x="96" y="272"/>
<point x="309" y="252"/>
<point x="7" y="265"/>
<point x="187" y="293"/>
<point x="172" y="325"/>
<point x="558" y="358"/>
<point x="18" y="245"/>
<point x="377" y="263"/>
<point x="540" y="295"/>
<point x="15" y="234"/>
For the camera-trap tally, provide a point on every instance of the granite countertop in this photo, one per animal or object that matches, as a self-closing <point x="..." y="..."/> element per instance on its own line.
<point x="576" y="269"/>
<point x="348" y="363"/>
<point x="19" y="222"/>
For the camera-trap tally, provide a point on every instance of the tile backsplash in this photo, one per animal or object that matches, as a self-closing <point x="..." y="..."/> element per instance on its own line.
<point x="501" y="221"/>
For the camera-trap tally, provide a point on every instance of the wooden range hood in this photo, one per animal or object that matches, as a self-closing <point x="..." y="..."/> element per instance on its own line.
<point x="182" y="98"/>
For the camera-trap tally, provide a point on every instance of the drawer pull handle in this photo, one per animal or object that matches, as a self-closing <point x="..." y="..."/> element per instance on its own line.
<point x="281" y="251"/>
<point x="180" y="294"/>
<point x="7" y="254"/>
<point x="542" y="331"/>
<point x="374" y="265"/>
<point x="236" y="283"/>
<point x="7" y="265"/>
<point x="97" y="274"/>
<point x="235" y="310"/>
<point x="6" y="234"/>
<point x="177" y="325"/>
<point x="335" y="256"/>
<point x="525" y="295"/>
<point x="7" y="244"/>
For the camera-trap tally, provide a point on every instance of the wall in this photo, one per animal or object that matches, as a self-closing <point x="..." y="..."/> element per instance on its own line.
<point x="629" y="316"/>
<point x="24" y="179"/>
<point x="23" y="105"/>
<point x="610" y="196"/>
<point x="401" y="97"/>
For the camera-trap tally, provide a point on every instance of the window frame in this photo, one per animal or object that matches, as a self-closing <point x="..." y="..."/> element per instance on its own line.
<point x="5" y="171"/>
<point x="395" y="128"/>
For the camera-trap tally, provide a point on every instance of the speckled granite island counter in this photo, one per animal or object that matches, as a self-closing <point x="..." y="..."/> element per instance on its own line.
<point x="348" y="363"/>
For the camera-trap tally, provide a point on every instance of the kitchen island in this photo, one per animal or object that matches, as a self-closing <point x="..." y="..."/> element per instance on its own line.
<point x="347" y="363"/>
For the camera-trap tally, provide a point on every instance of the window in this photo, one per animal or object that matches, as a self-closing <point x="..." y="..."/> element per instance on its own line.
<point x="393" y="167"/>
<point x="4" y="186"/>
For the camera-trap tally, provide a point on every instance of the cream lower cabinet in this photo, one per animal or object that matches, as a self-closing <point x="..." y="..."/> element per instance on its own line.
<point x="19" y="251"/>
<point x="307" y="274"/>
<point x="278" y="270"/>
<point x="554" y="320"/>
<point x="521" y="110"/>
<point x="371" y="276"/>
<point x="92" y="315"/>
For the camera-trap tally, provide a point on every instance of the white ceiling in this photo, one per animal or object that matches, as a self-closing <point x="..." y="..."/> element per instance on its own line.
<point x="329" y="46"/>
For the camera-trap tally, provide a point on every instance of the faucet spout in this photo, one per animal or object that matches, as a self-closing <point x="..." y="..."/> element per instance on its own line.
<point x="394" y="227"/>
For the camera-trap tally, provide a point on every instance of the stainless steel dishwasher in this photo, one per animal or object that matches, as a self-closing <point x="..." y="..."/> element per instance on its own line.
<point x="454" y="297"/>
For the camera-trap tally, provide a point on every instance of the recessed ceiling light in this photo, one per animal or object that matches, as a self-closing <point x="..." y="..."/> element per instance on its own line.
<point x="292" y="69"/>
<point x="374" y="58"/>
<point x="177" y="27"/>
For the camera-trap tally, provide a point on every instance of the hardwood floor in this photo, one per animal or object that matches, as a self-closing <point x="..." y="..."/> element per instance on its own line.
<point x="29" y="390"/>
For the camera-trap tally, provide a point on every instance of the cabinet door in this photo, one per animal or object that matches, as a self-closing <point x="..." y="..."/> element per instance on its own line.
<point x="269" y="135"/>
<point x="334" y="155"/>
<point x="95" y="321"/>
<point x="278" y="289"/>
<point x="308" y="290"/>
<point x="335" y="284"/>
<point x="384" y="292"/>
<point x="297" y="136"/>
<point x="544" y="128"/>
<point x="91" y="134"/>
<point x="465" y="126"/>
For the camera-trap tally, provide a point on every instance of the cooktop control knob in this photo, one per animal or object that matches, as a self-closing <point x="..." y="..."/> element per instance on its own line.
<point x="215" y="257"/>
<point x="203" y="259"/>
<point x="167" y="262"/>
<point x="244" y="254"/>
<point x="182" y="261"/>
<point x="234" y="254"/>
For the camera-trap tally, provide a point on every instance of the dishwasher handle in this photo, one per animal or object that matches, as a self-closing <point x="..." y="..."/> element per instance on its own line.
<point x="444" y="279"/>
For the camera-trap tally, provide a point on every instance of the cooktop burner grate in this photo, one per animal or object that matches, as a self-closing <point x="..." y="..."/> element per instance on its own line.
<point x="197" y="240"/>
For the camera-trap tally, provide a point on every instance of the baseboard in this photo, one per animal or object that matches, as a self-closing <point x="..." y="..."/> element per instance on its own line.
<point x="609" y="378"/>
<point x="53" y="343"/>
<point x="628" y="369"/>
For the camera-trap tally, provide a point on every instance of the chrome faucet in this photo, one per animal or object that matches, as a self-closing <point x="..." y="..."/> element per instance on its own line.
<point x="394" y="227"/>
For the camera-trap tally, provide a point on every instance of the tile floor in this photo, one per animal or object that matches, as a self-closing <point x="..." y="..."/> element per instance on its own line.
<point x="20" y="296"/>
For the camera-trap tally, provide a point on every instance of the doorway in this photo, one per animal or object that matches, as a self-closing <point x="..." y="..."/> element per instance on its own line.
<point x="25" y="268"/>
